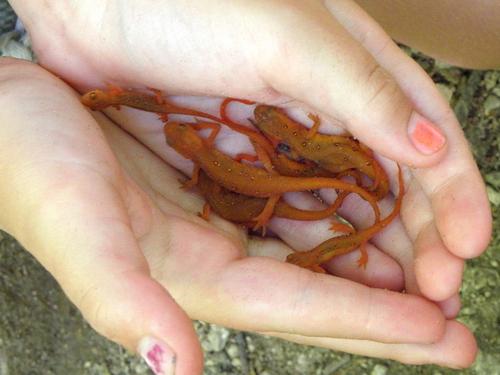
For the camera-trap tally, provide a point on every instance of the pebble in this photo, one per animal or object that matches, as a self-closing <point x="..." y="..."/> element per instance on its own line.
<point x="216" y="339"/>
<point x="452" y="75"/>
<point x="493" y="196"/>
<point x="379" y="369"/>
<point x="233" y="351"/>
<point x="491" y="104"/>
<point x="441" y="65"/>
<point x="490" y="79"/>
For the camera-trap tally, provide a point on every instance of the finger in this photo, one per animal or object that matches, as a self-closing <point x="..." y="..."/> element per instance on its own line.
<point x="438" y="272"/>
<point x="285" y="298"/>
<point x="455" y="187"/>
<point x="108" y="279"/>
<point x="456" y="349"/>
<point x="325" y="67"/>
<point x="381" y="271"/>
<point x="393" y="239"/>
<point x="450" y="307"/>
<point x="375" y="101"/>
<point x="67" y="205"/>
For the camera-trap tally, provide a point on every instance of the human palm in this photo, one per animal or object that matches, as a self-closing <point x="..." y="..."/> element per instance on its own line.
<point x="143" y="242"/>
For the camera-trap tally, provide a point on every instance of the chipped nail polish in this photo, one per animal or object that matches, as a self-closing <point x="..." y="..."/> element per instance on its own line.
<point x="159" y="356"/>
<point x="424" y="135"/>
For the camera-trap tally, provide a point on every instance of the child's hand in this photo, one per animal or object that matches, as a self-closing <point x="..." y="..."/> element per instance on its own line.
<point x="107" y="218"/>
<point x="334" y="60"/>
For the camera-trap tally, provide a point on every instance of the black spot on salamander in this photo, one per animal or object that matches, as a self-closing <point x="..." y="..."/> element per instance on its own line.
<point x="283" y="147"/>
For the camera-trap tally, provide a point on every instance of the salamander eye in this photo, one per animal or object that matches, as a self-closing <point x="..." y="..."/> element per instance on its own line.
<point x="284" y="148"/>
<point x="93" y="95"/>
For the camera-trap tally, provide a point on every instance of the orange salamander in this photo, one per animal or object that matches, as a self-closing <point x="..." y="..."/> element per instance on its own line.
<point x="243" y="209"/>
<point x="115" y="97"/>
<point x="333" y="153"/>
<point x="246" y="179"/>
<point x="343" y="244"/>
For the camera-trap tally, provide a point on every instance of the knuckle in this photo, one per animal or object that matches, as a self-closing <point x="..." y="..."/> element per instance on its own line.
<point x="96" y="312"/>
<point x="379" y="85"/>
<point x="383" y="97"/>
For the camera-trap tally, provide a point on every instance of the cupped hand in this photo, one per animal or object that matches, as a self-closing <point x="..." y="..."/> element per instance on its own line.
<point x="329" y="58"/>
<point x="108" y="219"/>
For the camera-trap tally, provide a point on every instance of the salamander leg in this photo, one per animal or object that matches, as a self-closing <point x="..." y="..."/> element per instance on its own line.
<point x="247" y="157"/>
<point x="223" y="108"/>
<point x="205" y="214"/>
<point x="363" y="259"/>
<point x="194" y="178"/>
<point x="316" y="123"/>
<point x="341" y="227"/>
<point x="160" y="99"/>
<point x="215" y="129"/>
<point x="262" y="219"/>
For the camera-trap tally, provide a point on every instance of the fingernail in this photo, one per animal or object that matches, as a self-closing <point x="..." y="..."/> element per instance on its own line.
<point x="425" y="136"/>
<point x="159" y="356"/>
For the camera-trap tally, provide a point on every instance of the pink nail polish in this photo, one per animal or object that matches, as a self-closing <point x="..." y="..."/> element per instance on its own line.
<point x="424" y="135"/>
<point x="159" y="356"/>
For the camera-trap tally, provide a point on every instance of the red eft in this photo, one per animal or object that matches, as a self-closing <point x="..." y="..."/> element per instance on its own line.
<point x="333" y="153"/>
<point x="246" y="179"/>
<point x="243" y="209"/>
<point x="115" y="97"/>
<point x="343" y="244"/>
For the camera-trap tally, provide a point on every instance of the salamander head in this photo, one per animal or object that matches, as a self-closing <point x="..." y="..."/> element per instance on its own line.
<point x="183" y="139"/>
<point x="96" y="99"/>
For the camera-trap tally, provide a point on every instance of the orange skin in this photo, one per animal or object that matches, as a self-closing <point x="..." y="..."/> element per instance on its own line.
<point x="266" y="152"/>
<point x="243" y="209"/>
<point x="246" y="179"/>
<point x="343" y="244"/>
<point x="115" y="96"/>
<point x="333" y="153"/>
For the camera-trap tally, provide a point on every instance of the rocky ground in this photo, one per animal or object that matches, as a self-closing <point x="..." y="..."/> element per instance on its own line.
<point x="42" y="333"/>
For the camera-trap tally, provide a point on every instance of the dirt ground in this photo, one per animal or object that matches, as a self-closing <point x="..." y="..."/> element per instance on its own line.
<point x="41" y="332"/>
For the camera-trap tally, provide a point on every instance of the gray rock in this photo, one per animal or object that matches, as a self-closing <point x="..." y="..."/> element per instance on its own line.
<point x="216" y="339"/>
<point x="379" y="369"/>
<point x="491" y="104"/>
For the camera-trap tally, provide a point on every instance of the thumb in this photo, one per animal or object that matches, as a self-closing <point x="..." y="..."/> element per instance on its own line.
<point x="67" y="201"/>
<point x="328" y="69"/>
<point x="98" y="262"/>
<point x="133" y="310"/>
